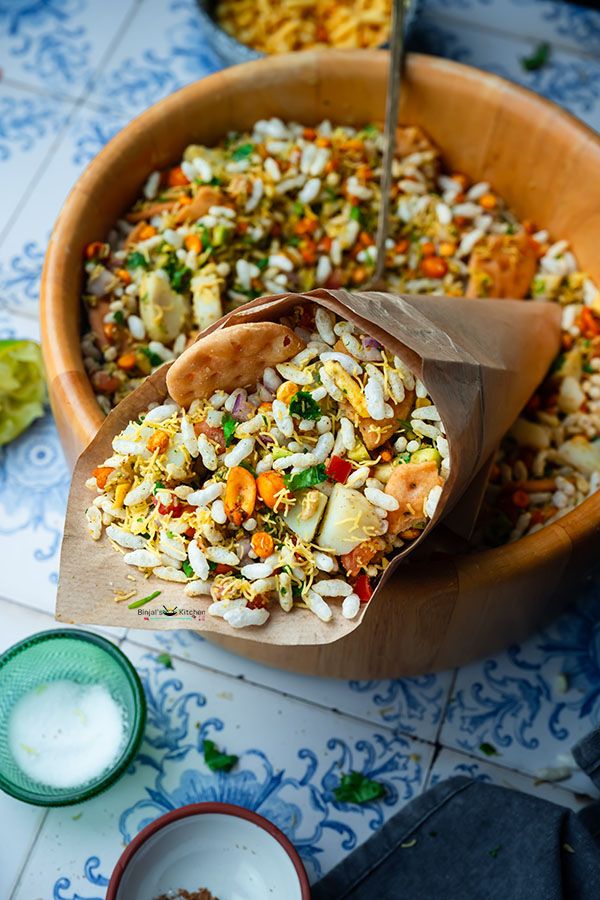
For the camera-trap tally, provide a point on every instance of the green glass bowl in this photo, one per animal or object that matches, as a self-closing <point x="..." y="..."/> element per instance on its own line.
<point x="78" y="656"/>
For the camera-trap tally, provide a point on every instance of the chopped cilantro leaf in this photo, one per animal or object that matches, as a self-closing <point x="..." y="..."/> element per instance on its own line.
<point x="495" y="851"/>
<point x="119" y="317"/>
<point x="262" y="263"/>
<point x="538" y="58"/>
<point x="211" y="565"/>
<point x="306" y="479"/>
<point x="178" y="273"/>
<point x="243" y="151"/>
<point x="293" y="241"/>
<point x="165" y="660"/>
<point x="229" y="424"/>
<point x="588" y="368"/>
<point x="187" y="568"/>
<point x="488" y="749"/>
<point x="355" y="787"/>
<point x="246" y="465"/>
<point x="153" y="358"/>
<point x="298" y="208"/>
<point x="303" y="406"/>
<point x="215" y="759"/>
<point x="356" y="214"/>
<point x="136" y="260"/>
<point x="158" y="486"/>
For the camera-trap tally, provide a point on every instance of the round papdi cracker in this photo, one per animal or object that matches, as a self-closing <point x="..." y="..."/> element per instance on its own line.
<point x="230" y="358"/>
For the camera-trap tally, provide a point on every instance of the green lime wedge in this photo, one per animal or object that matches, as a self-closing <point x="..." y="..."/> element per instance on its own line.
<point x="22" y="387"/>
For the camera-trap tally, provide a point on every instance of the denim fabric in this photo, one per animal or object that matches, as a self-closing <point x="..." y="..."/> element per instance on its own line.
<point x="467" y="840"/>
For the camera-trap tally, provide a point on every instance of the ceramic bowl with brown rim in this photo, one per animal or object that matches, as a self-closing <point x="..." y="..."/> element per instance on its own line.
<point x="227" y="850"/>
<point x="542" y="161"/>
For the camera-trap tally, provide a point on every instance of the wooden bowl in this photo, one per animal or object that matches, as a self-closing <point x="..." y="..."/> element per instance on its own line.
<point x="542" y="161"/>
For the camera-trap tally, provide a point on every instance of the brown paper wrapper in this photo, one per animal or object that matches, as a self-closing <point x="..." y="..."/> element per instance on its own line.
<point x="480" y="360"/>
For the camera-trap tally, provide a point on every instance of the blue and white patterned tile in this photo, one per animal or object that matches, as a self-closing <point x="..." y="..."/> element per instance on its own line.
<point x="532" y="703"/>
<point x="570" y="80"/>
<point x="57" y="45"/>
<point x="411" y="706"/>
<point x="555" y="21"/>
<point x="29" y="124"/>
<point x="449" y="763"/>
<point x="34" y="482"/>
<point x="23" y="247"/>
<point x="143" y="71"/>
<point x="287" y="770"/>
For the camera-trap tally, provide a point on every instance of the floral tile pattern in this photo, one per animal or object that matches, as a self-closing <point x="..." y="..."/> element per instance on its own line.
<point x="533" y="702"/>
<point x="408" y="705"/>
<point x="57" y="44"/>
<point x="289" y="777"/>
<point x="75" y="72"/>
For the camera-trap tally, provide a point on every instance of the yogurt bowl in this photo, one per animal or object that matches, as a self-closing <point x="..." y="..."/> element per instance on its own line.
<point x="66" y="666"/>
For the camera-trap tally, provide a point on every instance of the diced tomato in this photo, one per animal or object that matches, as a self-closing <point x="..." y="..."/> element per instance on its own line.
<point x="214" y="433"/>
<point x="259" y="602"/>
<point x="338" y="469"/>
<point x="175" y="509"/>
<point x="223" y="569"/>
<point x="104" y="382"/>
<point x="362" y="587"/>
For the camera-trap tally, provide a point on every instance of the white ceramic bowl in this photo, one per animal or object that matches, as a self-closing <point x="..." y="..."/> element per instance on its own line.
<point x="234" y="853"/>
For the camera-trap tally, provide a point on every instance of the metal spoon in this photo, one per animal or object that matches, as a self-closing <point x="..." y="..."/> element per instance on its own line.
<point x="377" y="282"/>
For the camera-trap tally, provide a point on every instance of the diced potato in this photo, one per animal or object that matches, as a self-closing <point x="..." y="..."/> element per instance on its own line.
<point x="570" y="395"/>
<point x="426" y="454"/>
<point x="571" y="364"/>
<point x="359" y="452"/>
<point x="304" y="516"/>
<point x="163" y="311"/>
<point x="581" y="454"/>
<point x="349" y="519"/>
<point x="530" y="434"/>
<point x="206" y="297"/>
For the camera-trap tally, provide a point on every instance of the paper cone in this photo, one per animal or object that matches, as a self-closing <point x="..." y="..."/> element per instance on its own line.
<point x="480" y="360"/>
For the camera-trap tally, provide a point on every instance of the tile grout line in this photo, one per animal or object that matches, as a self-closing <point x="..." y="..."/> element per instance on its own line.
<point x="457" y="21"/>
<point x="396" y="732"/>
<point x="444" y="711"/>
<point x="28" y="855"/>
<point x="76" y="106"/>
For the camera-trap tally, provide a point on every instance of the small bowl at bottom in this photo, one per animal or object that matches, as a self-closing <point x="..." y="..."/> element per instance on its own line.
<point x="223" y="848"/>
<point x="83" y="658"/>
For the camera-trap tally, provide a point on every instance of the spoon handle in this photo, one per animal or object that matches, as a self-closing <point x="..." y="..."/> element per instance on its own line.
<point x="391" y="122"/>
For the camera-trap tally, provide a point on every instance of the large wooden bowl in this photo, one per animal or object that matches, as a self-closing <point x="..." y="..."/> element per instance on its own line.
<point x="546" y="165"/>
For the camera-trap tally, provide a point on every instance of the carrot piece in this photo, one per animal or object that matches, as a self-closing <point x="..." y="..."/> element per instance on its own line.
<point x="434" y="266"/>
<point x="428" y="248"/>
<point x="265" y="408"/>
<point x="193" y="242"/>
<point x="386" y="455"/>
<point x="124" y="275"/>
<point x="146" y="232"/>
<point x="127" y="361"/>
<point x="269" y="486"/>
<point x="101" y="474"/>
<point x="309" y="134"/>
<point x="262" y="544"/>
<point x="176" y="177"/>
<point x="488" y="201"/>
<point x="96" y="250"/>
<point x="158" y="441"/>
<point x="401" y="246"/>
<point x="359" y="275"/>
<point x="461" y="179"/>
<point x="240" y="495"/>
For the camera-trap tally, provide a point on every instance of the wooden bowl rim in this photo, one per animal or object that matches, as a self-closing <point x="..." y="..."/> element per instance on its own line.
<point x="574" y="526"/>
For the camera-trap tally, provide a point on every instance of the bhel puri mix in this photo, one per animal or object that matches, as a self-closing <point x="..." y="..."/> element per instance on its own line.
<point x="294" y="491"/>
